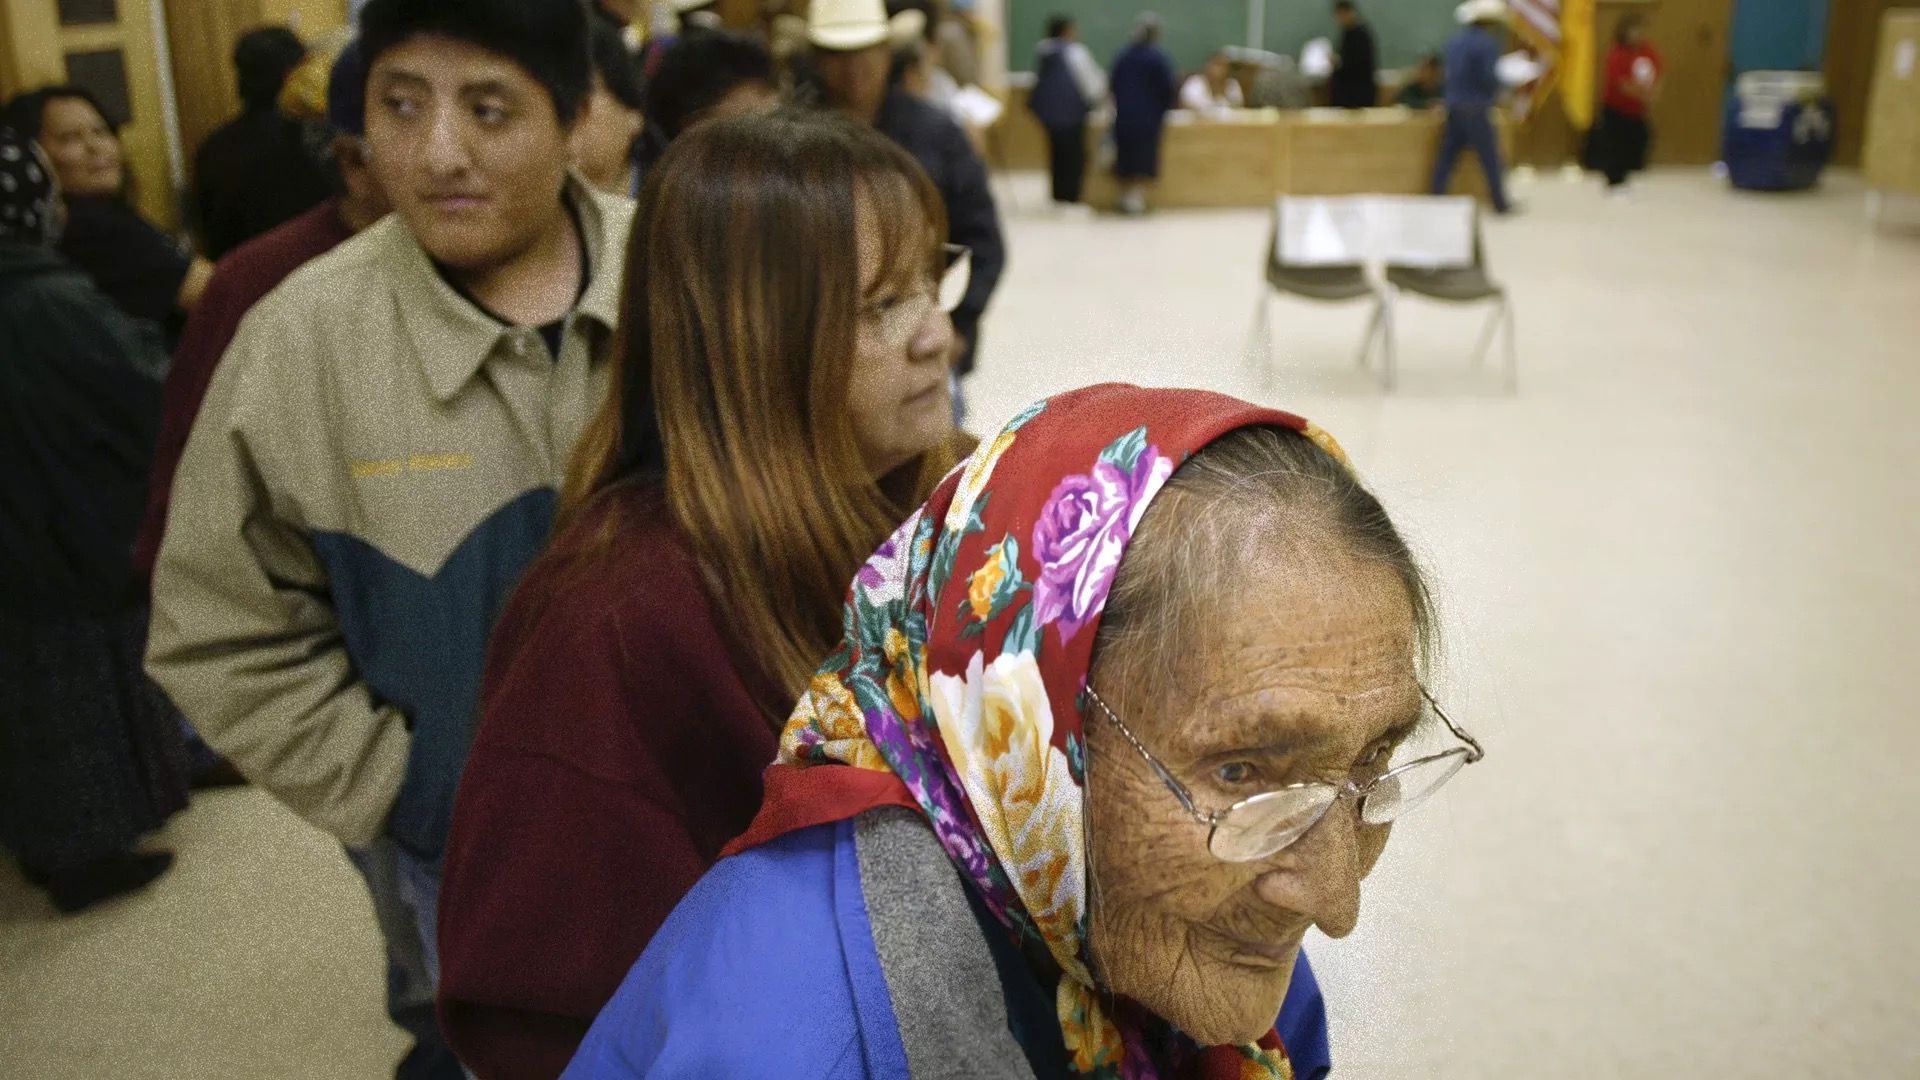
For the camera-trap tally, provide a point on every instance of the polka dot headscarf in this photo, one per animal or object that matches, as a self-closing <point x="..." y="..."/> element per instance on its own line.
<point x="27" y="212"/>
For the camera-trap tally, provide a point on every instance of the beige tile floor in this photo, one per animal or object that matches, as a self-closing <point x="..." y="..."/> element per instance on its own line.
<point x="1680" y="580"/>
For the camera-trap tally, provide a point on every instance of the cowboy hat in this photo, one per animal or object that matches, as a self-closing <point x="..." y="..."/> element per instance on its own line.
<point x="1479" y="11"/>
<point x="851" y="25"/>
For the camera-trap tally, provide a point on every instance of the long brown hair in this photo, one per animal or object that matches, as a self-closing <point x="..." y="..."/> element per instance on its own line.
<point x="737" y="340"/>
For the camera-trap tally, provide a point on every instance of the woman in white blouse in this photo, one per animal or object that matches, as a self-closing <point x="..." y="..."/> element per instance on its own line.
<point x="1212" y="92"/>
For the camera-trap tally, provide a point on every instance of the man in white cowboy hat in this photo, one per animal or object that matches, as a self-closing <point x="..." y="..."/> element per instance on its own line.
<point x="1472" y="87"/>
<point x="853" y="43"/>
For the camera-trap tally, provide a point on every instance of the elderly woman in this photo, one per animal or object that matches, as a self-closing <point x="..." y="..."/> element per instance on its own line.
<point x="1125" y="709"/>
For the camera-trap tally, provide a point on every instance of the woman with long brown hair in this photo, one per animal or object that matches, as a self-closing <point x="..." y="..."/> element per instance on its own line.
<point x="780" y="404"/>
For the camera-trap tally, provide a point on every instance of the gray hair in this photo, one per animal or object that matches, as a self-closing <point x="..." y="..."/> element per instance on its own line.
<point x="1231" y="504"/>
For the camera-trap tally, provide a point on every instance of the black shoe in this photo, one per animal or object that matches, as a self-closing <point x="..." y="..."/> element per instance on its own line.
<point x="103" y="879"/>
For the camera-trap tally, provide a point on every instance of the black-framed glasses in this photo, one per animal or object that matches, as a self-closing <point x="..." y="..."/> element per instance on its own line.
<point x="1256" y="827"/>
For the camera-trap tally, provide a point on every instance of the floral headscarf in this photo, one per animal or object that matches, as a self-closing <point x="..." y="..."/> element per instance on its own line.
<point x="956" y="691"/>
<point x="27" y="213"/>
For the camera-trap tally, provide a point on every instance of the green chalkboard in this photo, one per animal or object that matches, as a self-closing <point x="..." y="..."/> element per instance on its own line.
<point x="1403" y="29"/>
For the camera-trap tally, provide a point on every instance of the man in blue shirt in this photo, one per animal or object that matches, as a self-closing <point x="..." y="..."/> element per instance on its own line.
<point x="1471" y="89"/>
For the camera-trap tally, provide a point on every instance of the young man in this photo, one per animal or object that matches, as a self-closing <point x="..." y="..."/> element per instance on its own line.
<point x="1472" y="88"/>
<point x="376" y="460"/>
<point x="1355" y="81"/>
<point x="852" y="52"/>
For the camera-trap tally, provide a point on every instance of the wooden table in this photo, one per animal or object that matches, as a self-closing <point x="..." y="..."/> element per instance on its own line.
<point x="1268" y="152"/>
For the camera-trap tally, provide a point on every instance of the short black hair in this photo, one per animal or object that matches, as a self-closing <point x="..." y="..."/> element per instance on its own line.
<point x="1344" y="5"/>
<point x="548" y="38"/>
<point x="618" y="69"/>
<point x="1628" y="23"/>
<point x="1058" y="24"/>
<point x="262" y="59"/>
<point x="27" y="112"/>
<point x="697" y="71"/>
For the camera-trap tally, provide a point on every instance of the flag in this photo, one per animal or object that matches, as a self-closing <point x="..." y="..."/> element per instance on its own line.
<point x="1561" y="33"/>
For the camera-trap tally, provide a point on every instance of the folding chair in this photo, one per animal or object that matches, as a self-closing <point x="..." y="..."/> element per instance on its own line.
<point x="1325" y="284"/>
<point x="1458" y="285"/>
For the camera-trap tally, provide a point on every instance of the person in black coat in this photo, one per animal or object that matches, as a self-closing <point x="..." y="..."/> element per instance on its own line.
<point x="91" y="754"/>
<point x="1355" y="80"/>
<point x="141" y="269"/>
<point x="256" y="171"/>
<point x="1145" y="88"/>
<point x="848" y="71"/>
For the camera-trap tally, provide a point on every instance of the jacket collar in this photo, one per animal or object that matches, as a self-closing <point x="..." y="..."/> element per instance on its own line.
<point x="452" y="337"/>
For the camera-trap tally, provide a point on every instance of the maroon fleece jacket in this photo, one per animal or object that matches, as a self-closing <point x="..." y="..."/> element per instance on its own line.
<point x="618" y="750"/>
<point x="247" y="274"/>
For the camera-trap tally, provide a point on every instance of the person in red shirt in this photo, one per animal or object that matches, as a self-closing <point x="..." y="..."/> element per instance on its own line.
<point x="779" y="405"/>
<point x="1632" y="83"/>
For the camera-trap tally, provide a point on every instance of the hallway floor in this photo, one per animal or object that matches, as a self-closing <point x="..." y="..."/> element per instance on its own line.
<point x="1680" y="579"/>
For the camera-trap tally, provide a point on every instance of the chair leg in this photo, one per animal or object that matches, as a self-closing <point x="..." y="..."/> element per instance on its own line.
<point x="1486" y="336"/>
<point x="1513" y="349"/>
<point x="1376" y="326"/>
<point x="1390" y="369"/>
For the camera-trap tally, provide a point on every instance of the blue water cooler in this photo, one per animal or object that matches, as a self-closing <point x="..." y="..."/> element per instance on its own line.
<point x="1779" y="130"/>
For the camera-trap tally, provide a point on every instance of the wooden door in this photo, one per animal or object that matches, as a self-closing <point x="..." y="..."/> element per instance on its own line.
<point x="109" y="47"/>
<point x="1853" y="43"/>
<point x="1692" y="36"/>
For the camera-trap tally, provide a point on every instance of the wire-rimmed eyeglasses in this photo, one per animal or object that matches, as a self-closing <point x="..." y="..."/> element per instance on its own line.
<point x="1260" y="825"/>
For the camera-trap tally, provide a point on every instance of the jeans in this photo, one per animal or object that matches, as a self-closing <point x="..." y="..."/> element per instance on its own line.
<point x="413" y="964"/>
<point x="1067" y="161"/>
<point x="1469" y="128"/>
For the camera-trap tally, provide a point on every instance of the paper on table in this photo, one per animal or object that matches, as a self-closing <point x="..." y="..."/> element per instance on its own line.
<point x="977" y="107"/>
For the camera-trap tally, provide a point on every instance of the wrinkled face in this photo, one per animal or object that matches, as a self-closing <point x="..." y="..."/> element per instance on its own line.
<point x="899" y="397"/>
<point x="84" y="150"/>
<point x="603" y="140"/>
<point x="1304" y="674"/>
<point x="467" y="145"/>
<point x="857" y="80"/>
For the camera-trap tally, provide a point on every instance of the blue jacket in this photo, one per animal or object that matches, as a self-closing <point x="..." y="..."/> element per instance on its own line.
<point x="1144" y="86"/>
<point x="1468" y="61"/>
<point x="769" y="968"/>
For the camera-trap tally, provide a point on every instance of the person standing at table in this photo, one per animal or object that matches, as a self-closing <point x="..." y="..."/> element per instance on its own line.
<point x="1068" y="83"/>
<point x="1632" y="81"/>
<point x="1472" y="86"/>
<point x="1355" y="80"/>
<point x="1144" y="89"/>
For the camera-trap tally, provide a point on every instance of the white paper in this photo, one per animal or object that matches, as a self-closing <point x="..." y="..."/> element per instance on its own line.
<point x="976" y="107"/>
<point x="1903" y="55"/>
<point x="1516" y="69"/>
<point x="1316" y="58"/>
<point x="1406" y="230"/>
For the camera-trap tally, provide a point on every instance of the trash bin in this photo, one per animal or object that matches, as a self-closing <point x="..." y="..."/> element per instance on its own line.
<point x="1779" y="130"/>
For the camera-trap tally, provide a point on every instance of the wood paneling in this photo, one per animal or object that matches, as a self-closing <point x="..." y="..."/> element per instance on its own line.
<point x="202" y="34"/>
<point x="1693" y="36"/>
<point x="1853" y="42"/>
<point x="1891" y="155"/>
